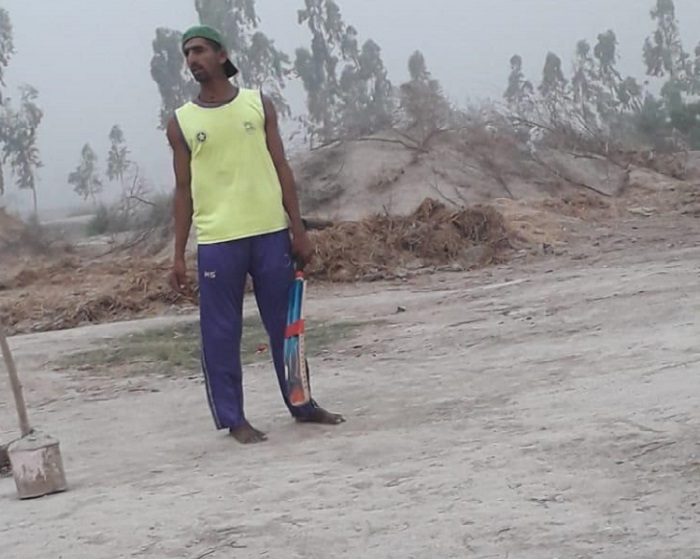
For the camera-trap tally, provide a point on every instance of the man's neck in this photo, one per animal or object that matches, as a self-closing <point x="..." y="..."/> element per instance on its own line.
<point x="218" y="91"/>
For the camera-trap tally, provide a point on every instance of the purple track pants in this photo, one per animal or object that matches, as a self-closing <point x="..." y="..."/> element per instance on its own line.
<point x="223" y="269"/>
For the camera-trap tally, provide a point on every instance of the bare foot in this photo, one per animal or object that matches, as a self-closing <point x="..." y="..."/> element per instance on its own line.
<point x="247" y="434"/>
<point x="322" y="417"/>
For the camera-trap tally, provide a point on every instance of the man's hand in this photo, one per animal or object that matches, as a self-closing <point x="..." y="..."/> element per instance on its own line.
<point x="182" y="206"/>
<point x="178" y="278"/>
<point x="302" y="247"/>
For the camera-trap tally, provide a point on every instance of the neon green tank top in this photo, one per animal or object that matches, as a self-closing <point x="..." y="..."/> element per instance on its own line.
<point x="236" y="192"/>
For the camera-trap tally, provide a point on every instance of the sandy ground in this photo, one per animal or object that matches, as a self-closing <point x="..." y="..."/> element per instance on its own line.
<point x="542" y="409"/>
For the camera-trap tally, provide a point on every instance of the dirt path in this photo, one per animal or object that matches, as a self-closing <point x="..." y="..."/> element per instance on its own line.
<point x="545" y="409"/>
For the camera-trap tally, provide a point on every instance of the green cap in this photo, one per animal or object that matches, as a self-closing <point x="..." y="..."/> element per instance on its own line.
<point x="207" y="32"/>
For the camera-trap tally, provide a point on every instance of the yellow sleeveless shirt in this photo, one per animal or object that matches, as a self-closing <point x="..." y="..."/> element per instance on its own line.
<point x="236" y="192"/>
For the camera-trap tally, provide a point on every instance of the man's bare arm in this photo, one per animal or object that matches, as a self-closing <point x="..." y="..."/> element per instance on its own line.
<point x="182" y="207"/>
<point x="284" y="171"/>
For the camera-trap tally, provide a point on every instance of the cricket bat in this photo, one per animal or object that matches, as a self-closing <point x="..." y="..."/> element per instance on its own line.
<point x="295" y="364"/>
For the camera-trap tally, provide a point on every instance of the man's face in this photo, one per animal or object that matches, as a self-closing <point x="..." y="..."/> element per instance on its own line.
<point x="203" y="60"/>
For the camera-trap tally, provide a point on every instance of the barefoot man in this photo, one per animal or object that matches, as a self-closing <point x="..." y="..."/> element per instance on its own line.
<point x="234" y="183"/>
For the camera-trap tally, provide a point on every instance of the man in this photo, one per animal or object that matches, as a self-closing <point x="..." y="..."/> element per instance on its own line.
<point x="233" y="181"/>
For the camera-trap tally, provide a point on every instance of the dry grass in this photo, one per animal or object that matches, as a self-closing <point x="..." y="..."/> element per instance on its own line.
<point x="73" y="291"/>
<point x="432" y="234"/>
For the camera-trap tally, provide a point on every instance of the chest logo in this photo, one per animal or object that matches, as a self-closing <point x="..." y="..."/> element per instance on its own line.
<point x="202" y="137"/>
<point x="249" y="127"/>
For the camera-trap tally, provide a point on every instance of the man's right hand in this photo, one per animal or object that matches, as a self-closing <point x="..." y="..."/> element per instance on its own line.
<point x="178" y="279"/>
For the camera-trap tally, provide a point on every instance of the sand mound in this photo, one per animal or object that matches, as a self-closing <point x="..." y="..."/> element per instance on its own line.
<point x="386" y="173"/>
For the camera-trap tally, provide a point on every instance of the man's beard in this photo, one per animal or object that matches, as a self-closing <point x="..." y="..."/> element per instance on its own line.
<point x="200" y="75"/>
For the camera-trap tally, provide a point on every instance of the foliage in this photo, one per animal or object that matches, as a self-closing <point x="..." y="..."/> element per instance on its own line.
<point x="118" y="157"/>
<point x="85" y="179"/>
<point x="168" y="70"/>
<point x="348" y="90"/>
<point x="366" y="94"/>
<point x="18" y="126"/>
<point x="7" y="47"/>
<point x="519" y="90"/>
<point x="318" y="67"/>
<point x="100" y="223"/>
<point x="597" y="101"/>
<point x="423" y="103"/>
<point x="18" y="136"/>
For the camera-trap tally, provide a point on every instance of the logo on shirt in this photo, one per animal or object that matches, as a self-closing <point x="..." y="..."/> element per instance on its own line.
<point x="202" y="137"/>
<point x="249" y="127"/>
<point x="210" y="274"/>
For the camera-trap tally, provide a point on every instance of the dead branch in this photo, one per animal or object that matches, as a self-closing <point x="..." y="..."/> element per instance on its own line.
<point x="434" y="185"/>
<point x="327" y="144"/>
<point x="653" y="447"/>
<point x="314" y="224"/>
<point x="388" y="207"/>
<point x="575" y="182"/>
<point x="520" y="120"/>
<point x="141" y="200"/>
<point x="392" y="141"/>
<point x="232" y="545"/>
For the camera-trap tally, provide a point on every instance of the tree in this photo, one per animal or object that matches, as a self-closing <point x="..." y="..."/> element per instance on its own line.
<point x="117" y="159"/>
<point x="175" y="85"/>
<point x="366" y="94"/>
<point x="261" y="65"/>
<point x="519" y="90"/>
<point x="422" y="100"/>
<point x="584" y="82"/>
<point x="553" y="81"/>
<point x="318" y="67"/>
<point x="605" y="102"/>
<point x="7" y="48"/>
<point x="85" y="179"/>
<point x="663" y="51"/>
<point x="665" y="57"/>
<point x="597" y="98"/>
<point x="19" y="140"/>
<point x="614" y="94"/>
<point x="18" y="127"/>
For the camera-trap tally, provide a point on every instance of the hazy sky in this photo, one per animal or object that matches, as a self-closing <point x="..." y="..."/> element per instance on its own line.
<point x="90" y="60"/>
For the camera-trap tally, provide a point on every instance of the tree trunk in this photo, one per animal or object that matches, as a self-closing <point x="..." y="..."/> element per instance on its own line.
<point x="36" y="205"/>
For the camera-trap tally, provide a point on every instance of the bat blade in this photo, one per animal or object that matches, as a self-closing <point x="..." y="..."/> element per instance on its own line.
<point x="294" y="346"/>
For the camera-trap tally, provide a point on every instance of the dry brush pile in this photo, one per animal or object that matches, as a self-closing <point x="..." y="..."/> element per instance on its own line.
<point x="72" y="293"/>
<point x="432" y="235"/>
